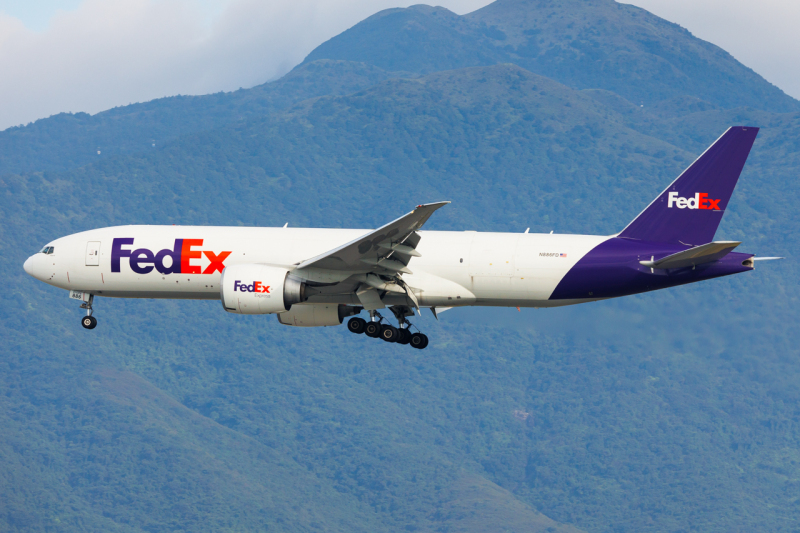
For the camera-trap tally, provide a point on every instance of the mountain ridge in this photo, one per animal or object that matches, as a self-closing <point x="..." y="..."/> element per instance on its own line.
<point x="588" y="48"/>
<point x="438" y="40"/>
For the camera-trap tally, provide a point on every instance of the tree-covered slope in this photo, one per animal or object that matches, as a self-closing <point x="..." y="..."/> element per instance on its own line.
<point x="599" y="44"/>
<point x="87" y="468"/>
<point x="668" y="411"/>
<point x="595" y="44"/>
<point x="69" y="140"/>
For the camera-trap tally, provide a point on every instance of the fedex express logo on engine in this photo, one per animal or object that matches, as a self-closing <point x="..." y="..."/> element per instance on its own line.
<point x="181" y="257"/>
<point x="698" y="201"/>
<point x="256" y="286"/>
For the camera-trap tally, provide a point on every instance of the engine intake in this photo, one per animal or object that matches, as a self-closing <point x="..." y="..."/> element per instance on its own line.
<point x="259" y="289"/>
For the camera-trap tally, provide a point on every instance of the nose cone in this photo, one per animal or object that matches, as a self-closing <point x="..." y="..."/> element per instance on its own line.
<point x="28" y="265"/>
<point x="36" y="266"/>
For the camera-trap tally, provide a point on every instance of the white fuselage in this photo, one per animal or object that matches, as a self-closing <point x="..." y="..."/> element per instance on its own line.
<point x="455" y="268"/>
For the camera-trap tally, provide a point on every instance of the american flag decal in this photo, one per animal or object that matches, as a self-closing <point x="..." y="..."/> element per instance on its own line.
<point x="562" y="255"/>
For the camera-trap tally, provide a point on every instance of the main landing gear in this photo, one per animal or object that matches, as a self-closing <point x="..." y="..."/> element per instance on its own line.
<point x="379" y="330"/>
<point x="88" y="322"/>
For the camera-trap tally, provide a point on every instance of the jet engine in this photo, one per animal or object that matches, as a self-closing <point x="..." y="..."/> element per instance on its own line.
<point x="259" y="289"/>
<point x="310" y="316"/>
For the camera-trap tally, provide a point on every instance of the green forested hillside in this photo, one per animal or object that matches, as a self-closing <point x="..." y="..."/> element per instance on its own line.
<point x="670" y="411"/>
<point x="598" y="44"/>
<point x="69" y="140"/>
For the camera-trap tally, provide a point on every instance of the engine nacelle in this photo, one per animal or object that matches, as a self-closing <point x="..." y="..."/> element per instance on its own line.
<point x="317" y="315"/>
<point x="259" y="289"/>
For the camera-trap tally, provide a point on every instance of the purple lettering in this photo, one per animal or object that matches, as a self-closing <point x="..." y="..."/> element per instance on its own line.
<point x="140" y="257"/>
<point x="175" y="254"/>
<point x="118" y="253"/>
<point x="237" y="285"/>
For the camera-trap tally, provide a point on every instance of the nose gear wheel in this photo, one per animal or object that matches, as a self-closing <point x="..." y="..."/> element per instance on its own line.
<point x="88" y="322"/>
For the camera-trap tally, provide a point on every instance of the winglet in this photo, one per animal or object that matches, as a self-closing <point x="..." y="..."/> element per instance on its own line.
<point x="425" y="211"/>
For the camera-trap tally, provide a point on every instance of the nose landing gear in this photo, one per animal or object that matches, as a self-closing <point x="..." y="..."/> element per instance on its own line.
<point x="375" y="328"/>
<point x="88" y="322"/>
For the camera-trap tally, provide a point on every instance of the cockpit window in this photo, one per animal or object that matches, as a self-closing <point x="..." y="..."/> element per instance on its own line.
<point x="49" y="250"/>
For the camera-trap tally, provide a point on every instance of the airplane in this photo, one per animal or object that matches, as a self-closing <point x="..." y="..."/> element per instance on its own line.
<point x="319" y="277"/>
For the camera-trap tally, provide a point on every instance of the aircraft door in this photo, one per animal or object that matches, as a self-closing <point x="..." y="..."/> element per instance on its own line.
<point x="491" y="265"/>
<point x="93" y="253"/>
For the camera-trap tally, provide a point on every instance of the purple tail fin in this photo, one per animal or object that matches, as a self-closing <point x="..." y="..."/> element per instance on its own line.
<point x="691" y="208"/>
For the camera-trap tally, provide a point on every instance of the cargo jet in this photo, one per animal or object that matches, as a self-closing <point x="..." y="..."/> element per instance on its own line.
<point x="318" y="277"/>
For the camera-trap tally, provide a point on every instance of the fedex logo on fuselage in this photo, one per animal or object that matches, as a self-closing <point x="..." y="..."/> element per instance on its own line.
<point x="699" y="201"/>
<point x="256" y="286"/>
<point x="143" y="261"/>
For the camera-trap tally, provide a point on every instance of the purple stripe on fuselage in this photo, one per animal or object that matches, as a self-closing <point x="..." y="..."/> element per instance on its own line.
<point x="612" y="269"/>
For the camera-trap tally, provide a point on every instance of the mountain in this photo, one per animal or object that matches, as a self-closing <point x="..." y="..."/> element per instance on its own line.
<point x="672" y="411"/>
<point x="594" y="44"/>
<point x="69" y="140"/>
<point x="174" y="448"/>
<point x="587" y="44"/>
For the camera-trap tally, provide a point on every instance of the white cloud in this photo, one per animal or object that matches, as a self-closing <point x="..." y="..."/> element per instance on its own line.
<point x="105" y="54"/>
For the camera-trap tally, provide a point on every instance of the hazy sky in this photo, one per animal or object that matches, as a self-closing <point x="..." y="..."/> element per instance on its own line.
<point x="91" y="55"/>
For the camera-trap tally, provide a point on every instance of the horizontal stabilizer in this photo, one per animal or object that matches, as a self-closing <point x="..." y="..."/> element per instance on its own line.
<point x="767" y="258"/>
<point x="698" y="255"/>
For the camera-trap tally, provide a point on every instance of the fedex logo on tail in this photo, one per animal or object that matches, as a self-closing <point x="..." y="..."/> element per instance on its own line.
<point x="699" y="201"/>
<point x="256" y="286"/>
<point x="143" y="261"/>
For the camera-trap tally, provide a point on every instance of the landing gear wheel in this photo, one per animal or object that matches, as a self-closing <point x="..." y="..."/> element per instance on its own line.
<point x="356" y="325"/>
<point x="404" y="336"/>
<point x="419" y="341"/>
<point x="372" y="329"/>
<point x="89" y="322"/>
<point x="389" y="333"/>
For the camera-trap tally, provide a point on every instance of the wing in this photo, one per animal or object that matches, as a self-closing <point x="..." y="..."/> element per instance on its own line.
<point x="387" y="250"/>
<point x="374" y="262"/>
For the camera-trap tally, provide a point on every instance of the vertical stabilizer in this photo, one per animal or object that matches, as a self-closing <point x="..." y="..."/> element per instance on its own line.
<point x="691" y="208"/>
